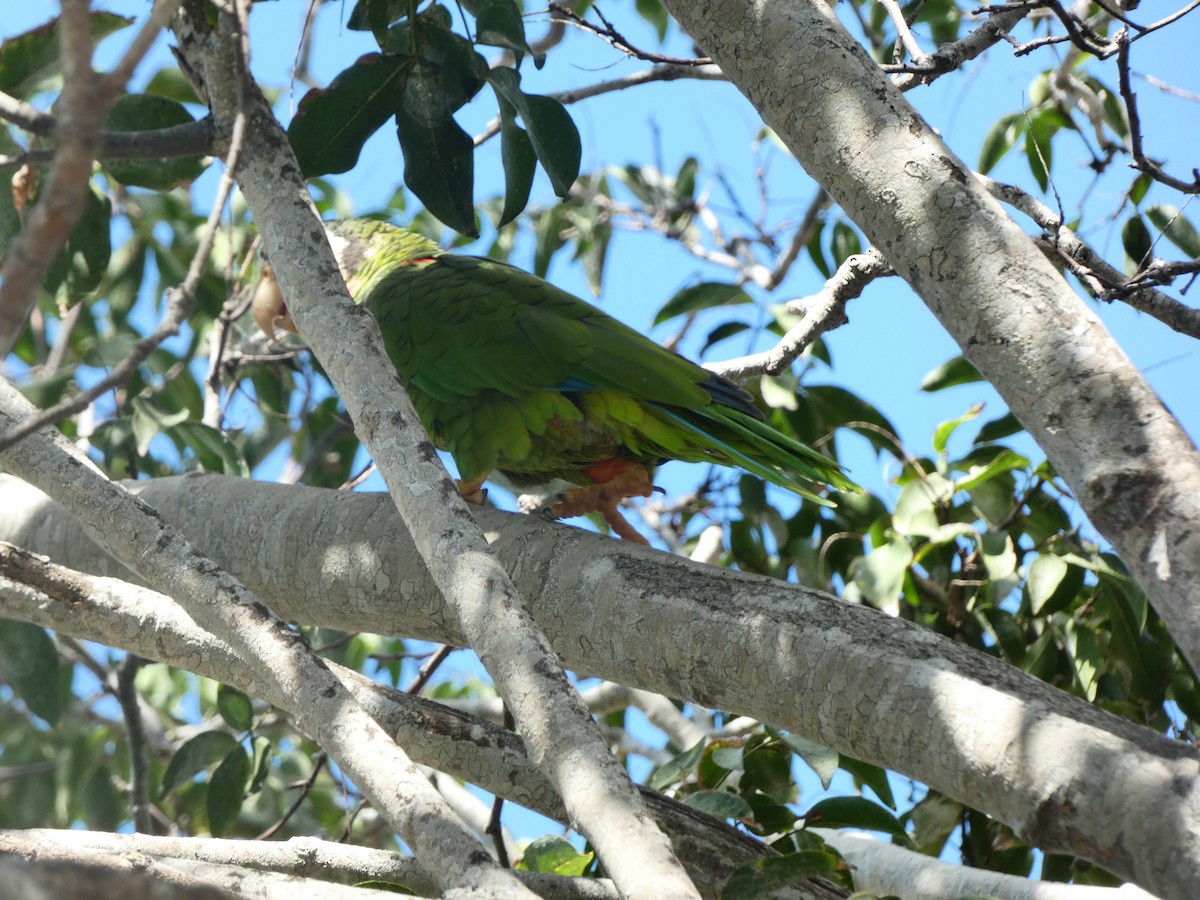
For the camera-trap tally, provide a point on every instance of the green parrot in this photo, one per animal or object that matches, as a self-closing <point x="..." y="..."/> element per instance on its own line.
<point x="518" y="379"/>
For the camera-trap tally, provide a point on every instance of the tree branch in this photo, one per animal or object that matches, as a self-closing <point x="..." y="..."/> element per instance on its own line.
<point x="834" y="673"/>
<point x="1103" y="279"/>
<point x="495" y="622"/>
<point x="302" y="867"/>
<point x="141" y="621"/>
<point x="822" y="312"/>
<point x="136" y="535"/>
<point x="1131" y="466"/>
<point x="887" y="869"/>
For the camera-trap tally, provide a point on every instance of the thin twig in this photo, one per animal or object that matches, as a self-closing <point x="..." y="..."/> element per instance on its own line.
<point x="319" y="760"/>
<point x="646" y="76"/>
<point x="613" y="37"/>
<point x="426" y="671"/>
<point x="135" y="737"/>
<point x="494" y="828"/>
<point x="1148" y="167"/>
<point x="1105" y="281"/>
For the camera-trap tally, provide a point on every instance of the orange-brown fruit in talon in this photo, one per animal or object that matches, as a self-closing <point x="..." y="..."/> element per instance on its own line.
<point x="472" y="490"/>
<point x="270" y="311"/>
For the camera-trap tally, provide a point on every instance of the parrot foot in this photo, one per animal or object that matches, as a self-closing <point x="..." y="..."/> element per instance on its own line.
<point x="472" y="490"/>
<point x="603" y="498"/>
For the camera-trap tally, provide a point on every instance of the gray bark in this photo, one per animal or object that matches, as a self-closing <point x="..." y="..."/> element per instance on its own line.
<point x="1130" y="465"/>
<point x="1066" y="776"/>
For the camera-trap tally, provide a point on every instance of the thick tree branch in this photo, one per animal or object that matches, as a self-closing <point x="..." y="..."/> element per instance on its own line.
<point x="875" y="688"/>
<point x="1126" y="459"/>
<point x="494" y="620"/>
<point x="135" y="534"/>
<point x="307" y="867"/>
<point x="141" y="621"/>
<point x="888" y="869"/>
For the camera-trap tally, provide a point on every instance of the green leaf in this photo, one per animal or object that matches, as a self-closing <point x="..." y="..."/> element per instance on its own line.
<point x="213" y="448"/>
<point x="29" y="665"/>
<point x="227" y="791"/>
<point x="722" y="332"/>
<point x="1175" y="228"/>
<point x="880" y="575"/>
<point x="171" y="83"/>
<point x="779" y="391"/>
<point x="762" y="877"/>
<point x="718" y="804"/>
<point x="816" y="251"/>
<point x="520" y="162"/>
<point x="1139" y="188"/>
<point x="1084" y="649"/>
<point x="845" y="242"/>
<point x="1042" y="128"/>
<point x="822" y="760"/>
<point x="146" y="112"/>
<point x="149" y="421"/>
<point x="261" y="766"/>
<point x="949" y="374"/>
<point x="1001" y="138"/>
<point x="654" y="13"/>
<point x="1138" y="243"/>
<point x="706" y="295"/>
<point x="376" y="15"/>
<point x="766" y="768"/>
<point x="498" y="23"/>
<point x="235" y="708"/>
<point x="1006" y="461"/>
<point x="81" y="264"/>
<point x="872" y="776"/>
<point x="941" y="434"/>
<point x="854" y="812"/>
<point x="196" y="755"/>
<point x="675" y="769"/>
<point x="439" y="165"/>
<point x="999" y="428"/>
<point x="1046" y="573"/>
<point x="550" y="128"/>
<point x="934" y="819"/>
<point x="943" y="18"/>
<point x="331" y="125"/>
<point x="553" y="855"/>
<point x="28" y="60"/>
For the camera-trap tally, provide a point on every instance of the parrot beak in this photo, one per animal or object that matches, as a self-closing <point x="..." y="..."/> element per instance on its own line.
<point x="269" y="308"/>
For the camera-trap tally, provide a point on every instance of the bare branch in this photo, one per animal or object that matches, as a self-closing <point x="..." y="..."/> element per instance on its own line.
<point x="83" y="110"/>
<point x="822" y="312"/>
<point x="613" y="37"/>
<point x="144" y="622"/>
<point x="699" y="636"/>
<point x="495" y="620"/>
<point x="890" y="869"/>
<point x="662" y="72"/>
<point x="1149" y="167"/>
<point x="1105" y="281"/>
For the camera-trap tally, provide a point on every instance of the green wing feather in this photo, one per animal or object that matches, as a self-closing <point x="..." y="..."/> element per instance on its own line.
<point x="509" y="372"/>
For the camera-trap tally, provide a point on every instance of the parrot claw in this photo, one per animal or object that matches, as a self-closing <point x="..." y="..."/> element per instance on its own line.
<point x="603" y="498"/>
